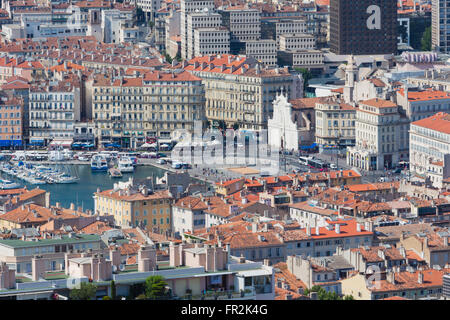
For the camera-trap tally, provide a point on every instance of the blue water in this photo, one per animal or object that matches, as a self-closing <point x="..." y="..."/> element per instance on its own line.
<point x="82" y="192"/>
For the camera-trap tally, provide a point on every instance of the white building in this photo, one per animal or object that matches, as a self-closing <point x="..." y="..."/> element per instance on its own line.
<point x="188" y="215"/>
<point x="289" y="26"/>
<point x="377" y="136"/>
<point x="53" y="109"/>
<point x="264" y="50"/>
<point x="150" y="7"/>
<point x="191" y="6"/>
<point x="440" y="25"/>
<point x="430" y="148"/>
<point x="282" y="130"/>
<point x="211" y="41"/>
<point x="295" y="42"/>
<point x="204" y="20"/>
<point x="335" y="122"/>
<point x="244" y="23"/>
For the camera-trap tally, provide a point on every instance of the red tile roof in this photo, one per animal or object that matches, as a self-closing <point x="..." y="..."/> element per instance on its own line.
<point x="438" y="122"/>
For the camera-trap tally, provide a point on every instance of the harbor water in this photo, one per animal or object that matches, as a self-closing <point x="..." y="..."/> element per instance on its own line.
<point x="81" y="193"/>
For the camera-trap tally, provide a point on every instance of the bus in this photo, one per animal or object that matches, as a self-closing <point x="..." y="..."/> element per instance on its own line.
<point x="304" y="160"/>
<point x="317" y="164"/>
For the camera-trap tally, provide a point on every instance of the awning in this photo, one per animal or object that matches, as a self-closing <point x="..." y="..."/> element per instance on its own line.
<point x="63" y="143"/>
<point x="5" y="143"/>
<point x="37" y="142"/>
<point x="165" y="141"/>
<point x="309" y="147"/>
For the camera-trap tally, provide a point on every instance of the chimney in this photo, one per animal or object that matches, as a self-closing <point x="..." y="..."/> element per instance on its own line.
<point x="358" y="227"/>
<point x="337" y="228"/>
<point x="308" y="231"/>
<point x="72" y="206"/>
<point x="420" y="277"/>
<point x="446" y="241"/>
<point x="317" y="231"/>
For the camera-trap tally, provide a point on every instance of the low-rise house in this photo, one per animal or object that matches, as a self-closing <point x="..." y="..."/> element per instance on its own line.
<point x="33" y="215"/>
<point x="312" y="273"/>
<point x="311" y="213"/>
<point x="405" y="284"/>
<point x="18" y="253"/>
<point x="431" y="246"/>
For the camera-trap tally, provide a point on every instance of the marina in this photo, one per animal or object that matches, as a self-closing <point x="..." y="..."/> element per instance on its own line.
<point x="81" y="191"/>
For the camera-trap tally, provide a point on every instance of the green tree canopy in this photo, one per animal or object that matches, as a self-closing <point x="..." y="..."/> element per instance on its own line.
<point x="322" y="294"/>
<point x="426" y="40"/>
<point x="85" y="292"/>
<point x="306" y="74"/>
<point x="155" y="287"/>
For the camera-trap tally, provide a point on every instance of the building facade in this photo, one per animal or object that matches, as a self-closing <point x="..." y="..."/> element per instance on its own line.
<point x="429" y="147"/>
<point x="364" y="27"/>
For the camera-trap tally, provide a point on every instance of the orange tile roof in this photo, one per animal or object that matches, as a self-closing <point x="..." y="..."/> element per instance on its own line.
<point x="379" y="103"/>
<point x="36" y="214"/>
<point x="134" y="195"/>
<point x="373" y="186"/>
<point x="438" y="122"/>
<point x="97" y="227"/>
<point x="409" y="281"/>
<point x="425" y="95"/>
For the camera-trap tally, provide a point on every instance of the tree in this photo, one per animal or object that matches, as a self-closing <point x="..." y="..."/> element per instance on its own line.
<point x="306" y="74"/>
<point x="322" y="294"/>
<point x="349" y="297"/>
<point x="426" y="40"/>
<point x="113" y="290"/>
<point x="85" y="292"/>
<point x="155" y="287"/>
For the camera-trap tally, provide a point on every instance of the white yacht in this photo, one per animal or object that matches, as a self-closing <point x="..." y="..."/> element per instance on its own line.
<point x="6" y="185"/>
<point x="99" y="163"/>
<point x="125" y="164"/>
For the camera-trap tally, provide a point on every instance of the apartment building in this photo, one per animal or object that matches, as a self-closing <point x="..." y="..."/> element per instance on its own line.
<point x="289" y="26"/>
<point x="413" y="284"/>
<point x="419" y="104"/>
<point x="189" y="214"/>
<point x="308" y="59"/>
<point x="335" y="122"/>
<point x="11" y="119"/>
<point x="18" y="254"/>
<point x="263" y="50"/>
<point x="239" y="91"/>
<point x="438" y="80"/>
<point x="244" y="25"/>
<point x="150" y="8"/>
<point x="127" y="111"/>
<point x="315" y="273"/>
<point x="136" y="207"/>
<point x="440" y="26"/>
<point x="187" y="7"/>
<point x="209" y="41"/>
<point x="54" y="108"/>
<point x="294" y="42"/>
<point x="433" y="246"/>
<point x="429" y="147"/>
<point x="378" y="140"/>
<point x="206" y="20"/>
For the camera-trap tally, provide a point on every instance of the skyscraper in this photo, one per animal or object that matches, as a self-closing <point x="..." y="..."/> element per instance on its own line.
<point x="363" y="26"/>
<point x="440" y="26"/>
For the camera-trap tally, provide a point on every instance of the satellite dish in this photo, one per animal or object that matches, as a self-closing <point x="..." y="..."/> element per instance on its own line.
<point x="122" y="267"/>
<point x="205" y="10"/>
<point x="114" y="269"/>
